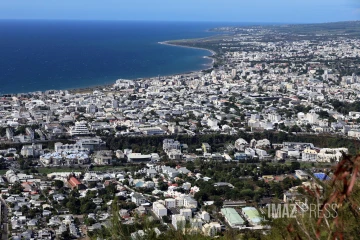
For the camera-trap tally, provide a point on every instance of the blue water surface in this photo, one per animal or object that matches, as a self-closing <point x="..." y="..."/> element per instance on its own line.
<point x="41" y="55"/>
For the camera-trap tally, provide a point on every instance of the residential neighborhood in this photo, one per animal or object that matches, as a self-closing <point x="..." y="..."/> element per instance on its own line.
<point x="205" y="152"/>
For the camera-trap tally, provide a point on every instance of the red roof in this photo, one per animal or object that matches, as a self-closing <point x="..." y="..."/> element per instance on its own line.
<point x="74" y="182"/>
<point x="26" y="183"/>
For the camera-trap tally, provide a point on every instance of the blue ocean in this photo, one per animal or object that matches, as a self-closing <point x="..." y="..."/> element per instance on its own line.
<point x="42" y="55"/>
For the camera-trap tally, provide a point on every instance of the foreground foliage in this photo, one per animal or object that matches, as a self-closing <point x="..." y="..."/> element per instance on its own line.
<point x="337" y="214"/>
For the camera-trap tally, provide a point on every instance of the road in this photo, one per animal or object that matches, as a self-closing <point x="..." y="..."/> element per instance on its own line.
<point x="133" y="190"/>
<point x="4" y="220"/>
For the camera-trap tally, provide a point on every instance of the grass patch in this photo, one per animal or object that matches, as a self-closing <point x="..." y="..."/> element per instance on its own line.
<point x="51" y="170"/>
<point x="106" y="168"/>
<point x="78" y="169"/>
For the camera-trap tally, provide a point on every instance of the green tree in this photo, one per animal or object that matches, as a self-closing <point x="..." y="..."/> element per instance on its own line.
<point x="73" y="205"/>
<point x="58" y="184"/>
<point x="87" y="206"/>
<point x="16" y="188"/>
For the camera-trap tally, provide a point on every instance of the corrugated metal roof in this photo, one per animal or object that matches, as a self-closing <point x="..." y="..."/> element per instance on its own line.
<point x="232" y="216"/>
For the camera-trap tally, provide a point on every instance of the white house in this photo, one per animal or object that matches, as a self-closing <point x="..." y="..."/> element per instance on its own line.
<point x="211" y="229"/>
<point x="187" y="213"/>
<point x="190" y="202"/>
<point x="138" y="199"/>
<point x="312" y="117"/>
<point x="331" y="154"/>
<point x="309" y="155"/>
<point x="241" y="144"/>
<point x="178" y="221"/>
<point x="301" y="174"/>
<point x="205" y="216"/>
<point x="159" y="209"/>
<point x="170" y="203"/>
<point x="354" y="133"/>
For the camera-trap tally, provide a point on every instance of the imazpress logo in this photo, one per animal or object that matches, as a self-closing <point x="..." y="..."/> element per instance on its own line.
<point x="292" y="210"/>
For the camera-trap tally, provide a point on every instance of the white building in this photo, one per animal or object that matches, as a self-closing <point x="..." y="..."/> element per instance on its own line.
<point x="309" y="155"/>
<point x="205" y="216"/>
<point x="261" y="153"/>
<point x="331" y="154"/>
<point x="354" y="114"/>
<point x="196" y="223"/>
<point x="354" y="133"/>
<point x="60" y="147"/>
<point x="179" y="201"/>
<point x="263" y="143"/>
<point x="91" y="108"/>
<point x="174" y="154"/>
<point x="212" y="123"/>
<point x="34" y="150"/>
<point x="152" y="131"/>
<point x="138" y="199"/>
<point x="138" y="157"/>
<point x="250" y="152"/>
<point x="71" y="157"/>
<point x="170" y="203"/>
<point x="80" y="128"/>
<point x="274" y="117"/>
<point x="312" y="117"/>
<point x="211" y="229"/>
<point x="241" y="144"/>
<point x="187" y="213"/>
<point x="178" y="221"/>
<point x="103" y="157"/>
<point x="171" y="172"/>
<point x="300" y="174"/>
<point x="169" y="144"/>
<point x="186" y="186"/>
<point x="11" y="176"/>
<point x="159" y="209"/>
<point x="190" y="202"/>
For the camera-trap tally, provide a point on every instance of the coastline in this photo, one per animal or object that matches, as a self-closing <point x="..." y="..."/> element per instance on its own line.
<point x="90" y="88"/>
<point x="211" y="65"/>
<point x="105" y="85"/>
<point x="175" y="45"/>
<point x="213" y="53"/>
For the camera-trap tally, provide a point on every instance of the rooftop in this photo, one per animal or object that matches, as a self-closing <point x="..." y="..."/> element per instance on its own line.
<point x="252" y="214"/>
<point x="232" y="216"/>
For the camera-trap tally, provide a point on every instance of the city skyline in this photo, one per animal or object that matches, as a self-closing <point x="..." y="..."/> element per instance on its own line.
<point x="278" y="11"/>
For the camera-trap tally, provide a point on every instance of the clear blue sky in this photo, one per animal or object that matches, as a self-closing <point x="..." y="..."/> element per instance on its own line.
<point x="184" y="10"/>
